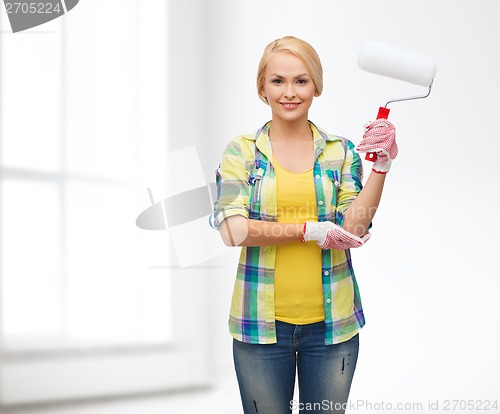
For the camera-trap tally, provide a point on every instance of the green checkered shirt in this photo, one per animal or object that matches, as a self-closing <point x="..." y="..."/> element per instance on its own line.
<point x="246" y="185"/>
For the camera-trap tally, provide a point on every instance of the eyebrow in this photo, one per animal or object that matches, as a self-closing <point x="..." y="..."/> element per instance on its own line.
<point x="298" y="76"/>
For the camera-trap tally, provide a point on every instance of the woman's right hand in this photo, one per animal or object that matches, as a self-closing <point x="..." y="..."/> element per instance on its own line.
<point x="331" y="236"/>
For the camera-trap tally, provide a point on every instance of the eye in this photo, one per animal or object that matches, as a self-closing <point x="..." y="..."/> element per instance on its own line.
<point x="277" y="81"/>
<point x="302" y="81"/>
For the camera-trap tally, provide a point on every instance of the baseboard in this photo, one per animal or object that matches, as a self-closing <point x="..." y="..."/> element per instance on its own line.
<point x="59" y="377"/>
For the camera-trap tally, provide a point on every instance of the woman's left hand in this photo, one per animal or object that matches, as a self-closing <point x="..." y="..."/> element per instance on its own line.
<point x="331" y="236"/>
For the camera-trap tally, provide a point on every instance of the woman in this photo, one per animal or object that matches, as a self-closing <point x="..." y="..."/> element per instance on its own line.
<point x="291" y="195"/>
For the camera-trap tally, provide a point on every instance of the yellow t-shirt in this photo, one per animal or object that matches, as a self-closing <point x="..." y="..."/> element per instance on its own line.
<point x="298" y="295"/>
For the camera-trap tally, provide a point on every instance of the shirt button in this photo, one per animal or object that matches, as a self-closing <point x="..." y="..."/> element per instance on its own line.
<point x="318" y="176"/>
<point x="328" y="301"/>
<point x="320" y="202"/>
<point x="327" y="272"/>
<point x="336" y="183"/>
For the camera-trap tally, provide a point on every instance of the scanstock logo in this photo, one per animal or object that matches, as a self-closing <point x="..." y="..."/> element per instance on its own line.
<point x="185" y="211"/>
<point x="27" y="14"/>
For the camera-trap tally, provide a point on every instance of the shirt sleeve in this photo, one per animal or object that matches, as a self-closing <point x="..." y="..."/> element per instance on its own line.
<point x="351" y="182"/>
<point x="232" y="186"/>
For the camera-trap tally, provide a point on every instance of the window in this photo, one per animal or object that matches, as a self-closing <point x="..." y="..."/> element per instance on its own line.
<point x="83" y="134"/>
<point x="84" y="110"/>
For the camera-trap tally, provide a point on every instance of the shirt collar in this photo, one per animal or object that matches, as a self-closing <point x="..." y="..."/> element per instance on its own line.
<point x="320" y="138"/>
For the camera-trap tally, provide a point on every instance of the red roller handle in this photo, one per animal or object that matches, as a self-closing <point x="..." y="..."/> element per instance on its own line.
<point x="383" y="113"/>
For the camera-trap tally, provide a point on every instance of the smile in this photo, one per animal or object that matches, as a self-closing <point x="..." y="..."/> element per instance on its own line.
<point x="290" y="105"/>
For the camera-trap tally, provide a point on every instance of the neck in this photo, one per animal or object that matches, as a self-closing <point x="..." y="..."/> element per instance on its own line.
<point x="298" y="130"/>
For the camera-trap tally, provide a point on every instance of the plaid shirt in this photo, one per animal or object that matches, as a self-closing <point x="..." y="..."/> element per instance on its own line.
<point x="246" y="185"/>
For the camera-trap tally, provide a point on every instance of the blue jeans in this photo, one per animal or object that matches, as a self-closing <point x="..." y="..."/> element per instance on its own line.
<point x="266" y="373"/>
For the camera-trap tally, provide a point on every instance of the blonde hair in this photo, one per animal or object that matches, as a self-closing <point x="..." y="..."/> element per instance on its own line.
<point x="301" y="50"/>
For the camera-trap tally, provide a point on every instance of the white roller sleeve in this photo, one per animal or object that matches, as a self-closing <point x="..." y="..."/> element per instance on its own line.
<point x="396" y="63"/>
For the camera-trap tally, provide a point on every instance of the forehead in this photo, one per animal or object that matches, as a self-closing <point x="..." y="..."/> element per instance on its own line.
<point x="284" y="63"/>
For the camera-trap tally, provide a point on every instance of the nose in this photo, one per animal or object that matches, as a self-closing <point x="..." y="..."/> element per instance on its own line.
<point x="290" y="92"/>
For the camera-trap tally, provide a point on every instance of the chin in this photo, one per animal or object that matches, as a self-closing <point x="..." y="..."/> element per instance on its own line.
<point x="292" y="117"/>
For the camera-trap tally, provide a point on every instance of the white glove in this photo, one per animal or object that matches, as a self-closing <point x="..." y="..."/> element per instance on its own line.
<point x="331" y="236"/>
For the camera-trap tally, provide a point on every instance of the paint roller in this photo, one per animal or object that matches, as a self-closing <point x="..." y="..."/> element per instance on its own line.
<point x="396" y="63"/>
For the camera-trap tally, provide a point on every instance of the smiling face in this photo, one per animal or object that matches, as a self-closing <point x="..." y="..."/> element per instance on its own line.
<point x="288" y="87"/>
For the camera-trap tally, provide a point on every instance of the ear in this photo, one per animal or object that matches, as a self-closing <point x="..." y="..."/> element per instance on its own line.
<point x="263" y="95"/>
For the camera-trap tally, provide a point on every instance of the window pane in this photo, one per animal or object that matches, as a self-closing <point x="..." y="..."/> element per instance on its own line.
<point x="107" y="289"/>
<point x="101" y="90"/>
<point x="31" y="99"/>
<point x="31" y="273"/>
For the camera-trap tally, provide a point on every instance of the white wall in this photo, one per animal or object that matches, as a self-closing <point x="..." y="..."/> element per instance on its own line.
<point x="428" y="277"/>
